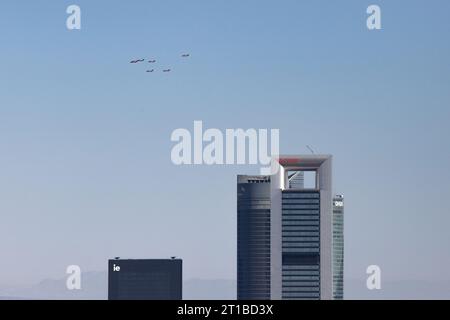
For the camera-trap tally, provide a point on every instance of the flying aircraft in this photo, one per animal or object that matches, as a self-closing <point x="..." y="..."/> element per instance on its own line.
<point x="151" y="61"/>
<point x="151" y="70"/>
<point x="186" y="55"/>
<point x="166" y="70"/>
<point x="136" y="61"/>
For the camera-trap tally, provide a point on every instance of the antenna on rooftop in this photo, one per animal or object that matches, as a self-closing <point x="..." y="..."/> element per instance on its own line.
<point x="310" y="149"/>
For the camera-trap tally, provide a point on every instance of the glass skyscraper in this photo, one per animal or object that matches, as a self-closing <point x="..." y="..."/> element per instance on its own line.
<point x="253" y="232"/>
<point x="285" y="232"/>
<point x="338" y="247"/>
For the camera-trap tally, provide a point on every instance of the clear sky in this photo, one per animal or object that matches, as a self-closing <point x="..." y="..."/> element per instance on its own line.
<point x="85" y="169"/>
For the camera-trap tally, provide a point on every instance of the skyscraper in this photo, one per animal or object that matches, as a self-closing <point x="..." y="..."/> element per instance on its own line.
<point x="338" y="247"/>
<point x="253" y="231"/>
<point x="149" y="279"/>
<point x="285" y="231"/>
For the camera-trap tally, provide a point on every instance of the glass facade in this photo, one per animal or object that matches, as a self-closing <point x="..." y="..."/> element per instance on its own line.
<point x="338" y="248"/>
<point x="253" y="238"/>
<point x="300" y="244"/>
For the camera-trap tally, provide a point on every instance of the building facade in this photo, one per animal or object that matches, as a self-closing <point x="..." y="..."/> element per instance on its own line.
<point x="146" y="279"/>
<point x="285" y="231"/>
<point x="253" y="233"/>
<point x="338" y="247"/>
<point x="300" y="244"/>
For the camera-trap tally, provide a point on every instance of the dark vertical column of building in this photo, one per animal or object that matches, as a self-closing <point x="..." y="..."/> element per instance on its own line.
<point x="301" y="245"/>
<point x="338" y="247"/>
<point x="253" y="238"/>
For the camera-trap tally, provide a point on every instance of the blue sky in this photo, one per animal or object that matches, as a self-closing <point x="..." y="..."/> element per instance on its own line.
<point x="85" y="144"/>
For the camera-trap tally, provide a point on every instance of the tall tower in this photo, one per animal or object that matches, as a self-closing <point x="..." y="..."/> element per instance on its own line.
<point x="338" y="247"/>
<point x="253" y="233"/>
<point x="290" y="227"/>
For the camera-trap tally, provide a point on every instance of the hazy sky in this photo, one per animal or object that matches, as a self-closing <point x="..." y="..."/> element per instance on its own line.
<point x="85" y="169"/>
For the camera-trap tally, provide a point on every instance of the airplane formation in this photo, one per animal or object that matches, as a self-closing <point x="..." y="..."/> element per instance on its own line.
<point x="184" y="55"/>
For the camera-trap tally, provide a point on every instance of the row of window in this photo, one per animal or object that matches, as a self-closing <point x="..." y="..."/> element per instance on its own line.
<point x="302" y="195"/>
<point x="300" y="284"/>
<point x="301" y="233"/>
<point x="300" y="289"/>
<point x="301" y="250"/>
<point x="299" y="206"/>
<point x="300" y="212"/>
<point x="301" y="201"/>
<point x="305" y="228"/>
<point x="301" y="273"/>
<point x="300" y="267"/>
<point x="287" y="239"/>
<point x="309" y="278"/>
<point x="301" y="295"/>
<point x="263" y="207"/>
<point x="301" y="222"/>
<point x="297" y="244"/>
<point x="289" y="218"/>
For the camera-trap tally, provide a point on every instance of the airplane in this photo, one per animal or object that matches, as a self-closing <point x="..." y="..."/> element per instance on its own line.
<point x="186" y="55"/>
<point x="151" y="61"/>
<point x="166" y="70"/>
<point x="136" y="61"/>
<point x="150" y="70"/>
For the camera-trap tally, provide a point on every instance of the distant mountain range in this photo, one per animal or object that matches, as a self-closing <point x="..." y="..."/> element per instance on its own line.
<point x="95" y="287"/>
<point x="398" y="290"/>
